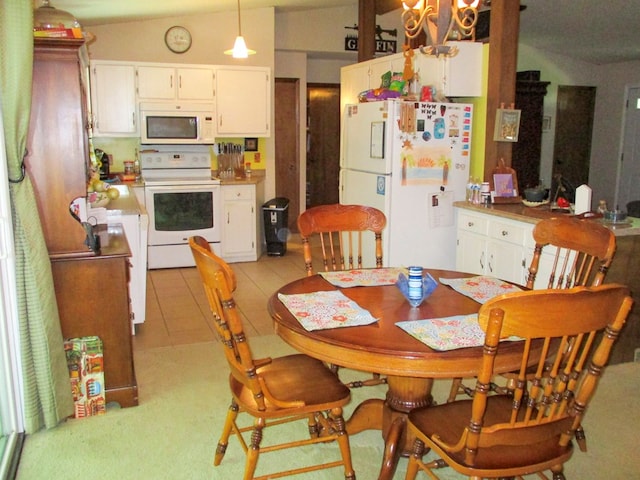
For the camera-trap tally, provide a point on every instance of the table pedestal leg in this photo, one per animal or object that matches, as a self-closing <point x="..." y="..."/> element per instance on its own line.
<point x="390" y="416"/>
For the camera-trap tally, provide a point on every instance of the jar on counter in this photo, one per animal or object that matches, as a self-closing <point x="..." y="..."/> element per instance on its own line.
<point x="602" y="206"/>
<point x="128" y="167"/>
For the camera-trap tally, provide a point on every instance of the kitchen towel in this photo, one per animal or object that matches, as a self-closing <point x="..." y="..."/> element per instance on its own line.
<point x="480" y="288"/>
<point x="323" y="310"/>
<point x="367" y="277"/>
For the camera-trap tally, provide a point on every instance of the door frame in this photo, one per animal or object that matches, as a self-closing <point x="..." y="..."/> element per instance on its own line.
<point x="626" y="143"/>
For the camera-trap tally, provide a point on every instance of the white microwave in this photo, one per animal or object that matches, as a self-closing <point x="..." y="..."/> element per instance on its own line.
<point x="177" y="123"/>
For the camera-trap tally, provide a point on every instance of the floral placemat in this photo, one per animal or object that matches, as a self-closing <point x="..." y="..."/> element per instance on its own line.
<point x="460" y="331"/>
<point x="323" y="310"/>
<point x="367" y="277"/>
<point x="481" y="288"/>
<point x="448" y="333"/>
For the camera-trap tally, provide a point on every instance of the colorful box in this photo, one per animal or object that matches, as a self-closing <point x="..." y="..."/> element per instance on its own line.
<point x="86" y="372"/>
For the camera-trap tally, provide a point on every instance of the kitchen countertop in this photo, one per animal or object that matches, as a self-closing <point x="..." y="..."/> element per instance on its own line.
<point x="125" y="204"/>
<point x="255" y="178"/>
<point x="522" y="213"/>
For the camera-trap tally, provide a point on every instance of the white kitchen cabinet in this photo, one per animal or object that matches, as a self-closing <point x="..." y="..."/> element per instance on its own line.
<point x="471" y="247"/>
<point x="457" y="76"/>
<point x="113" y="99"/>
<point x="138" y="191"/>
<point x="505" y="250"/>
<point x="164" y="82"/>
<point x="241" y="230"/>
<point x="362" y="76"/>
<point x="490" y="245"/>
<point x="126" y="210"/>
<point x="243" y="101"/>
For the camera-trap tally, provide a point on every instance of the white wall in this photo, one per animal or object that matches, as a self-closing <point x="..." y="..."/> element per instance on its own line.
<point x="211" y="34"/>
<point x="319" y="34"/>
<point x="611" y="82"/>
<point x="294" y="65"/>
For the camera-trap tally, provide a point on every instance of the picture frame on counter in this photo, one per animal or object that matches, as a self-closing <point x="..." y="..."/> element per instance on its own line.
<point x="250" y="144"/>
<point x="507" y="125"/>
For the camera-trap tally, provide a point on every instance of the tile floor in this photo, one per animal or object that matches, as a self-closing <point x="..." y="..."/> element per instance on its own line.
<point x="177" y="309"/>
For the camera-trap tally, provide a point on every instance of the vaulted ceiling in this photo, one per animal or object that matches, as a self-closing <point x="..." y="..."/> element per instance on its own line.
<point x="590" y="30"/>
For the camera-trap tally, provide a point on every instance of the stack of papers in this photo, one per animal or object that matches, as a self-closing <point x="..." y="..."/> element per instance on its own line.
<point x="323" y="310"/>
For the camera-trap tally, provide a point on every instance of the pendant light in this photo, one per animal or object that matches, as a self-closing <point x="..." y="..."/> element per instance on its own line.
<point x="240" y="49"/>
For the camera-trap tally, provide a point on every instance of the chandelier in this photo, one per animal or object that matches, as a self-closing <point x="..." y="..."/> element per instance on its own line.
<point x="442" y="20"/>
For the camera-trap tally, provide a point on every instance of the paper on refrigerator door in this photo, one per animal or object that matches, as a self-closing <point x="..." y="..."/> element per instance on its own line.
<point x="440" y="209"/>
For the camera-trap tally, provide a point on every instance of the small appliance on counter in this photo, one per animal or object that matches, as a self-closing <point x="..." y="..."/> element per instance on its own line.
<point x="103" y="163"/>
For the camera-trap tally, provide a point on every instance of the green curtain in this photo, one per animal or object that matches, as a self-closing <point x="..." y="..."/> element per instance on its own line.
<point x="46" y="389"/>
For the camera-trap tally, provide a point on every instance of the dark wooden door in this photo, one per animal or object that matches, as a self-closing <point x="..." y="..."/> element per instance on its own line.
<point x="323" y="155"/>
<point x="287" y="128"/>
<point x="572" y="146"/>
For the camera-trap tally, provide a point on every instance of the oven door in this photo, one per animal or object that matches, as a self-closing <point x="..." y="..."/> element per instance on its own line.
<point x="177" y="212"/>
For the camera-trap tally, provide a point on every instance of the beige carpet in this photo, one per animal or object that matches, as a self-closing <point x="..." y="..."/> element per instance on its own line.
<point x="172" y="434"/>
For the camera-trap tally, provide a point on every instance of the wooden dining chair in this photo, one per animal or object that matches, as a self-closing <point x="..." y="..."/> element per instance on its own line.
<point x="577" y="252"/>
<point x="271" y="390"/>
<point x="339" y="230"/>
<point x="574" y="252"/>
<point x="531" y="430"/>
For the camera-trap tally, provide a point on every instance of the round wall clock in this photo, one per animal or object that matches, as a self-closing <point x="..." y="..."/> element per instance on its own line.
<point x="178" y="39"/>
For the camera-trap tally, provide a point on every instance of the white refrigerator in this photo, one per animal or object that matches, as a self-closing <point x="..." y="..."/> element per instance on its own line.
<point x="410" y="160"/>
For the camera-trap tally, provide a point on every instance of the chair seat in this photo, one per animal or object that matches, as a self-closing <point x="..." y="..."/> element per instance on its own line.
<point x="295" y="378"/>
<point x="450" y="419"/>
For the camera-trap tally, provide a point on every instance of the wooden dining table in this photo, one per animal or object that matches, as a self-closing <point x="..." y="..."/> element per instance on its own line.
<point x="382" y="347"/>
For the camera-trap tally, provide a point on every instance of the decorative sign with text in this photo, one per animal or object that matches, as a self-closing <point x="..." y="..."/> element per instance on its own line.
<point x="382" y="46"/>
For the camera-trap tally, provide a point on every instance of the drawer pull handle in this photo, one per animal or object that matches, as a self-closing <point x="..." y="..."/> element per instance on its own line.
<point x="505" y="233"/>
<point x="469" y="224"/>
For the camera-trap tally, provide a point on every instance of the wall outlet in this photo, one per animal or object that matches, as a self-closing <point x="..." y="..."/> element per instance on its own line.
<point x="636" y="355"/>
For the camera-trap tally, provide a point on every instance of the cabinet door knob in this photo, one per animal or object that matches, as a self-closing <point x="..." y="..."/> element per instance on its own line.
<point x="469" y="224"/>
<point x="505" y="233"/>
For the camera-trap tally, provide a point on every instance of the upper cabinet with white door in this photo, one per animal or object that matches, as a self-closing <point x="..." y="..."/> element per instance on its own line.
<point x="457" y="76"/>
<point x="164" y="82"/>
<point x="113" y="99"/>
<point x="243" y="101"/>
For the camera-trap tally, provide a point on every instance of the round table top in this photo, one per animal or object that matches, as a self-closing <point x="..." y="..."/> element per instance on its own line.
<point x="383" y="347"/>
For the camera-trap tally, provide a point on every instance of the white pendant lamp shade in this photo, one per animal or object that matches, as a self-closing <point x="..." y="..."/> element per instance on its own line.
<point x="240" y="49"/>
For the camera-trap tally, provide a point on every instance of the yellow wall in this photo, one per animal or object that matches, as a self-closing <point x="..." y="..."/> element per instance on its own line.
<point x="478" y="133"/>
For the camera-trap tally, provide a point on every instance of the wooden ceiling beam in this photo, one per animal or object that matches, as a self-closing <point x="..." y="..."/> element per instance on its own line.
<point x="366" y="30"/>
<point x="501" y="86"/>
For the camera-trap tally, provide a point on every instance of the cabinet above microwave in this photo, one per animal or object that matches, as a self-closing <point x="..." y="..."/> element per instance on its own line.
<point x="241" y="96"/>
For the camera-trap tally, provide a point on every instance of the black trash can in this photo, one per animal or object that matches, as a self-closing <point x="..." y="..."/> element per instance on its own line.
<point x="276" y="219"/>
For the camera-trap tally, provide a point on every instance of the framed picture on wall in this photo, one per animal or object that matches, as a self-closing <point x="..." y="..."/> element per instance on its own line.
<point x="250" y="144"/>
<point x="507" y="125"/>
